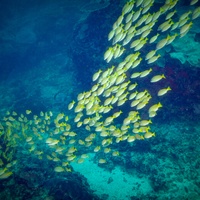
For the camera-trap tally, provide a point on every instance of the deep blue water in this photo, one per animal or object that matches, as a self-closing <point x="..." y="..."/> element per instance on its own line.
<point x="48" y="55"/>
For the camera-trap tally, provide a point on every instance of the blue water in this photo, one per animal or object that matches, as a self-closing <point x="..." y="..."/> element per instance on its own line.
<point x="48" y="55"/>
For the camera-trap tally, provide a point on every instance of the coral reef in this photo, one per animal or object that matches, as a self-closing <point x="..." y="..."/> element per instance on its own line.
<point x="187" y="54"/>
<point x="107" y="123"/>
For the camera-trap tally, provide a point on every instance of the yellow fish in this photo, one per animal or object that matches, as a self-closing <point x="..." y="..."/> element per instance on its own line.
<point x="157" y="78"/>
<point x="102" y="161"/>
<point x="163" y="91"/>
<point x="5" y="175"/>
<point x="28" y="112"/>
<point x="59" y="169"/>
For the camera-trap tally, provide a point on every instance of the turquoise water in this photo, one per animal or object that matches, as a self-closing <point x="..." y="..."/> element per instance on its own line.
<point x="50" y="51"/>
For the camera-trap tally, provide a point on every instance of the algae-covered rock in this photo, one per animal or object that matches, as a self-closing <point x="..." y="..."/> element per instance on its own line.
<point x="186" y="50"/>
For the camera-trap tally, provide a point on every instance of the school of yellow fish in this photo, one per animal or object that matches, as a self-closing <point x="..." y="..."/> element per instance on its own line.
<point x="118" y="108"/>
